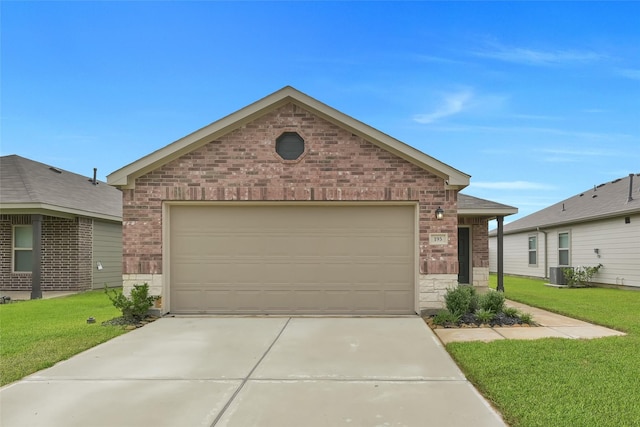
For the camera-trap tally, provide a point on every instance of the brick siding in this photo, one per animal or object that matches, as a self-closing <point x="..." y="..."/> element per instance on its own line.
<point x="243" y="165"/>
<point x="66" y="254"/>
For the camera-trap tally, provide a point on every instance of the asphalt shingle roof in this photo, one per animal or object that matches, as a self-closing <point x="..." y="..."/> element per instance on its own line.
<point x="470" y="202"/>
<point x="602" y="201"/>
<point x="25" y="182"/>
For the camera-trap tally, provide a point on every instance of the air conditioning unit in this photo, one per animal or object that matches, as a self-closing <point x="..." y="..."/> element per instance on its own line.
<point x="556" y="276"/>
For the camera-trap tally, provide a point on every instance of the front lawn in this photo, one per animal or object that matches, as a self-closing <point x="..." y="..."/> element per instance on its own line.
<point x="562" y="382"/>
<point x="37" y="334"/>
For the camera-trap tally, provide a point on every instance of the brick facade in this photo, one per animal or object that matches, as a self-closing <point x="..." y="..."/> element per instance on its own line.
<point x="66" y="254"/>
<point x="479" y="239"/>
<point x="243" y="166"/>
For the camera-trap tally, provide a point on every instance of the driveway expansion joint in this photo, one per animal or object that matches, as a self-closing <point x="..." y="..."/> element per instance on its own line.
<point x="245" y="379"/>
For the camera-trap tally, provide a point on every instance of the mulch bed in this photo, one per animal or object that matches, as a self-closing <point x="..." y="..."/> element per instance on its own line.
<point x="128" y="324"/>
<point x="471" y="321"/>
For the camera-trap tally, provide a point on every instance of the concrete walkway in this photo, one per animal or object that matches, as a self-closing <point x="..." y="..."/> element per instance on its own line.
<point x="252" y="371"/>
<point x="551" y="326"/>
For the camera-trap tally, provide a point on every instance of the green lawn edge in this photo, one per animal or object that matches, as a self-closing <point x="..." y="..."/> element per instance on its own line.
<point x="561" y="382"/>
<point x="37" y="334"/>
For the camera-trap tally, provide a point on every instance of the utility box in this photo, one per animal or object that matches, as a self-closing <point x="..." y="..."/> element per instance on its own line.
<point x="556" y="276"/>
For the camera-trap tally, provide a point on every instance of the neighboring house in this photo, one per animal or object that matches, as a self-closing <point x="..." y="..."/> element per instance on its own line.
<point x="598" y="226"/>
<point x="73" y="222"/>
<point x="289" y="206"/>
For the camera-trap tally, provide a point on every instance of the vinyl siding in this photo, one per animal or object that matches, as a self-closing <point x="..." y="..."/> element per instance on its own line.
<point x="516" y="255"/>
<point x="618" y="244"/>
<point x="107" y="249"/>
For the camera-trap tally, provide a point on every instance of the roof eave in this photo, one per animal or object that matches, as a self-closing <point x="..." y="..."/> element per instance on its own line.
<point x="125" y="177"/>
<point x="51" y="210"/>
<point x="492" y="213"/>
<point x="575" y="221"/>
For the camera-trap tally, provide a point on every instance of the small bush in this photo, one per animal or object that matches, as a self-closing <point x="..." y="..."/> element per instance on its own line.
<point x="444" y="318"/>
<point x="461" y="300"/>
<point x="484" y="316"/>
<point x="580" y="277"/>
<point x="492" y="301"/>
<point x="526" y="318"/>
<point x="474" y="302"/>
<point x="511" y="311"/>
<point x="133" y="308"/>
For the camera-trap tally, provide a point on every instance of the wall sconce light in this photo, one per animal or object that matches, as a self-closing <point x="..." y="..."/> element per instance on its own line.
<point x="99" y="265"/>
<point x="597" y="252"/>
<point x="439" y="213"/>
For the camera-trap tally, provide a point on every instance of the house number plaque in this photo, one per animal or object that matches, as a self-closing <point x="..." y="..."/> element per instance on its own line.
<point x="438" y="239"/>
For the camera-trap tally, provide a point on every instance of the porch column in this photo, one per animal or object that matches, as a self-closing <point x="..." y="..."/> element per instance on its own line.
<point x="36" y="256"/>
<point x="500" y="287"/>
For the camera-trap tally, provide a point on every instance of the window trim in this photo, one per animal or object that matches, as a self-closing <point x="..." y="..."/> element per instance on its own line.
<point x="534" y="250"/>
<point x="14" y="249"/>
<point x="568" y="248"/>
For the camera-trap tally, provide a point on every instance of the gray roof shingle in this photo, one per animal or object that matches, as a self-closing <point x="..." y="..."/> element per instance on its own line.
<point x="470" y="205"/>
<point x="29" y="184"/>
<point x="603" y="201"/>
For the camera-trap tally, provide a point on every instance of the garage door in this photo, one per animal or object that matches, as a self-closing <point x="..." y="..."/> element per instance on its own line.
<point x="292" y="259"/>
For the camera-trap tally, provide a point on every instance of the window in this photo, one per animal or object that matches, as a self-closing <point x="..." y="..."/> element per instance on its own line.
<point x="22" y="250"/>
<point x="290" y="146"/>
<point x="533" y="250"/>
<point x="563" y="249"/>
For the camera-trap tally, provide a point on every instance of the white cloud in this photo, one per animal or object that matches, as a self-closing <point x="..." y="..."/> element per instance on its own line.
<point x="629" y="73"/>
<point x="538" y="57"/>
<point x="512" y="185"/>
<point x="452" y="103"/>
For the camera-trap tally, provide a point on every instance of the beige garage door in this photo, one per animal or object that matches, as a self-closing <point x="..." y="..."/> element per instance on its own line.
<point x="292" y="259"/>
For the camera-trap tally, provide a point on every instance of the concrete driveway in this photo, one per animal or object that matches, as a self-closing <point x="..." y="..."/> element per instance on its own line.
<point x="255" y="372"/>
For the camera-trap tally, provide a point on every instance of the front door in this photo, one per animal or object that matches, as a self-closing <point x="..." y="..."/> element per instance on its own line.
<point x="463" y="255"/>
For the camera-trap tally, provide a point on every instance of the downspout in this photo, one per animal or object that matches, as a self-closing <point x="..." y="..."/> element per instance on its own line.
<point x="546" y="252"/>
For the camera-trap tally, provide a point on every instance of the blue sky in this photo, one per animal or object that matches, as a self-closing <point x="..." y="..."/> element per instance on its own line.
<point x="537" y="101"/>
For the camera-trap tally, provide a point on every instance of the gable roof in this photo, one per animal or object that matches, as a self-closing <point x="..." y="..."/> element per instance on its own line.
<point x="27" y="186"/>
<point x="475" y="206"/>
<point x="603" y="201"/>
<point x="125" y="176"/>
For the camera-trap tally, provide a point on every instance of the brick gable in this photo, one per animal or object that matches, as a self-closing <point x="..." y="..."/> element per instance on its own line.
<point x="243" y="166"/>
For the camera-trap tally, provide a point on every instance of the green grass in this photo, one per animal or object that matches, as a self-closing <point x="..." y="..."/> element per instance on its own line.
<point x="37" y="334"/>
<point x="561" y="382"/>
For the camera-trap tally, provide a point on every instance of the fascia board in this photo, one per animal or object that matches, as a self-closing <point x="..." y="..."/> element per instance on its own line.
<point x="51" y="210"/>
<point x="487" y="212"/>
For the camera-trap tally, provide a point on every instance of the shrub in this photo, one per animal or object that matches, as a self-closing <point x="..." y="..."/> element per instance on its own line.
<point x="133" y="308"/>
<point x="526" y="318"/>
<point x="580" y="277"/>
<point x="461" y="300"/>
<point x="485" y="316"/>
<point x="445" y="317"/>
<point x="492" y="301"/>
<point x="474" y="302"/>
<point x="511" y="311"/>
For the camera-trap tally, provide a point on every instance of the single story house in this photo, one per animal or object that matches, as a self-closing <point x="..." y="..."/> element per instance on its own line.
<point x="59" y="231"/>
<point x="289" y="206"/>
<point x="598" y="226"/>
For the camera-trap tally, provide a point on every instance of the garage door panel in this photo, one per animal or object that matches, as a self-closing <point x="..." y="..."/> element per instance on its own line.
<point x="396" y="300"/>
<point x="292" y="259"/>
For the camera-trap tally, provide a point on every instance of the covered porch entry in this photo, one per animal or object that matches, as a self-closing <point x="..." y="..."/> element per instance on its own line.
<point x="474" y="215"/>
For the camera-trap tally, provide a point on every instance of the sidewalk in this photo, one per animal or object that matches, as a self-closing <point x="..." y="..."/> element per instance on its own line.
<point x="551" y="325"/>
